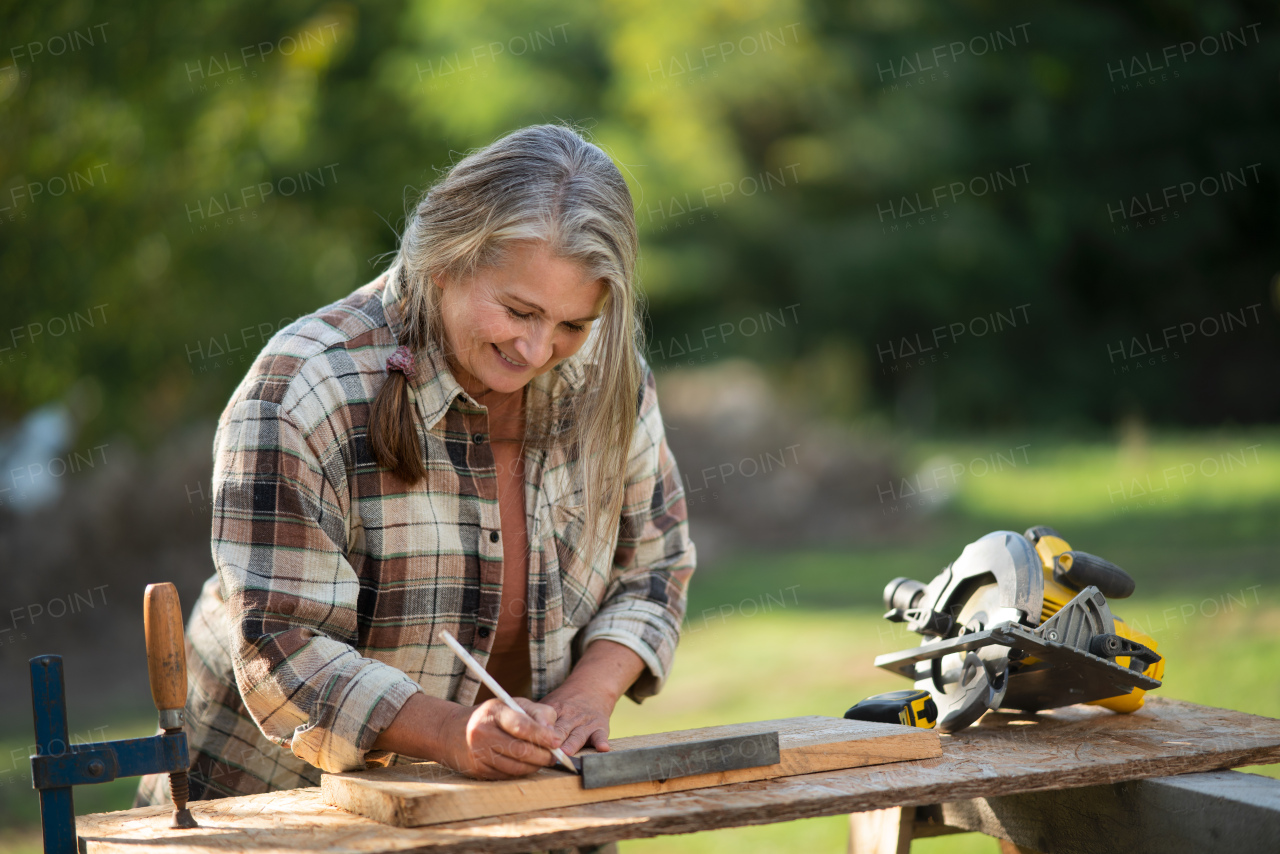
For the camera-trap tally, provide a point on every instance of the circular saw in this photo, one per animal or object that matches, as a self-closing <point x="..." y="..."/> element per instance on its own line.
<point x="1021" y="622"/>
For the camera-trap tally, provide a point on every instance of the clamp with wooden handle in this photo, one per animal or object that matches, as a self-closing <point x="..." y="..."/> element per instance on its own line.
<point x="58" y="765"/>
<point x="167" y="672"/>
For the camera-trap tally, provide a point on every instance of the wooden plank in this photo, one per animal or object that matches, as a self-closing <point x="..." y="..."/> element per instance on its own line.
<point x="1217" y="811"/>
<point x="1002" y="755"/>
<point x="429" y="793"/>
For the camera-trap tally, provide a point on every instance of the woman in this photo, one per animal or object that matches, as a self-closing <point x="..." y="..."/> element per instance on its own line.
<point x="470" y="442"/>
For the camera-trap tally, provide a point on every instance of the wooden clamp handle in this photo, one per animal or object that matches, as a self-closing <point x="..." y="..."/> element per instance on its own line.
<point x="166" y="653"/>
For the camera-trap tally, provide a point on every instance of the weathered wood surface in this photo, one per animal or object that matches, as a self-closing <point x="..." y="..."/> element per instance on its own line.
<point x="429" y="793"/>
<point x="1216" y="811"/>
<point x="1003" y="755"/>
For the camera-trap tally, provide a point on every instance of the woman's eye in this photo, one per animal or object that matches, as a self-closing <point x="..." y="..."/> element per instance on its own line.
<point x="525" y="315"/>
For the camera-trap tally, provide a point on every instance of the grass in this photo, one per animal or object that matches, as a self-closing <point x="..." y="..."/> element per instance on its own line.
<point x="778" y="635"/>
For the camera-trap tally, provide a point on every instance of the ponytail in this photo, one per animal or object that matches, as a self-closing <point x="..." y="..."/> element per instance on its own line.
<point x="393" y="434"/>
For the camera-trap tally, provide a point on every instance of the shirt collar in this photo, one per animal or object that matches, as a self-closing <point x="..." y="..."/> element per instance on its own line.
<point x="433" y="384"/>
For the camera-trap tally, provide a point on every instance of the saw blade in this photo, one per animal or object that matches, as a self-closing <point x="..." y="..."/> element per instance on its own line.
<point x="967" y="684"/>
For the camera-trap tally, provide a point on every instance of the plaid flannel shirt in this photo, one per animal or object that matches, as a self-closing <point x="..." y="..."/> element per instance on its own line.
<point x="333" y="579"/>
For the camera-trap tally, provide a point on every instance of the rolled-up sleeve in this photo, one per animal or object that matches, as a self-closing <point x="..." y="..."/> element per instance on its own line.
<point x="645" y="602"/>
<point x="279" y="537"/>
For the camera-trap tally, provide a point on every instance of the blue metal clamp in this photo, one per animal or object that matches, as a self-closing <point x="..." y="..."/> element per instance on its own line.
<point x="58" y="765"/>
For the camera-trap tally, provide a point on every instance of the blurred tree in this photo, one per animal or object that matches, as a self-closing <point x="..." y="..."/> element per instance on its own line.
<point x="177" y="181"/>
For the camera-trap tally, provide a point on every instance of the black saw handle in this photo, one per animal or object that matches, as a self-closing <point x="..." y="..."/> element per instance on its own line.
<point x="1080" y="569"/>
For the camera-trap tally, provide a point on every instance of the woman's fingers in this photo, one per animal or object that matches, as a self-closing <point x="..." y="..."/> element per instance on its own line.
<point x="574" y="740"/>
<point x="522" y="751"/>
<point x="583" y="728"/>
<point x="494" y="755"/>
<point x="599" y="740"/>
<point x="541" y="712"/>
<point x="492" y="765"/>
<point x="524" y="727"/>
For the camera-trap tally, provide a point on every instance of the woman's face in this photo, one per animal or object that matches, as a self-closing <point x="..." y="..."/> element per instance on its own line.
<point x="508" y="324"/>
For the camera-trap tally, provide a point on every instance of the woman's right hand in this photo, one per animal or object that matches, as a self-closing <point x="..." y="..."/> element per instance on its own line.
<point x="492" y="742"/>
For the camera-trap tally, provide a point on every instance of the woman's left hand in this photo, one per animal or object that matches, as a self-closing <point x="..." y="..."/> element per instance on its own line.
<point x="585" y="700"/>
<point x="582" y="717"/>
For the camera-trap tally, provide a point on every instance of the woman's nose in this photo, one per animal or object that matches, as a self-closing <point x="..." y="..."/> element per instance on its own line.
<point x="535" y="345"/>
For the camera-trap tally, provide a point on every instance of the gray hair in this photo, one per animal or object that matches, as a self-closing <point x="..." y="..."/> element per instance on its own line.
<point x="541" y="183"/>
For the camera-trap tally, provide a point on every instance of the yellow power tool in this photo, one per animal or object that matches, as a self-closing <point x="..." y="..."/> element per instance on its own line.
<point x="1021" y="621"/>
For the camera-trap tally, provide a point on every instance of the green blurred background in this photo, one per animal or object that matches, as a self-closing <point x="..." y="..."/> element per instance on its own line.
<point x="877" y="238"/>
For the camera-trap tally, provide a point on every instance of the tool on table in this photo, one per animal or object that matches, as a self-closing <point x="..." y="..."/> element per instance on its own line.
<point x="498" y="691"/>
<point x="58" y="765"/>
<point x="1021" y="621"/>
<point x="656" y="764"/>
<point x="614" y="768"/>
<point x="167" y="673"/>
<point x="908" y="708"/>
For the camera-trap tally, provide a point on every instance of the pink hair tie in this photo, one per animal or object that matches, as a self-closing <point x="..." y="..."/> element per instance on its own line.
<point x="401" y="360"/>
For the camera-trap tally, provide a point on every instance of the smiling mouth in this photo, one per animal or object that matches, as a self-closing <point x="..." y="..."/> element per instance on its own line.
<point x="508" y="359"/>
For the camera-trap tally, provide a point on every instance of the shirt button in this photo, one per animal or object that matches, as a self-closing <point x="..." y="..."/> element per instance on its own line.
<point x="483" y="631"/>
<point x="479" y="438"/>
<point x="493" y="536"/>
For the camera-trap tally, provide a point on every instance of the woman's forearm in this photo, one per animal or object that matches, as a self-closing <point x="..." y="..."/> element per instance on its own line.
<point x="606" y="669"/>
<point x="418" y="730"/>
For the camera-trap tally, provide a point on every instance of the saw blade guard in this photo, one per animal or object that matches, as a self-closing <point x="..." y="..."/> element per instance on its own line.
<point x="1003" y="557"/>
<point x="1012" y="562"/>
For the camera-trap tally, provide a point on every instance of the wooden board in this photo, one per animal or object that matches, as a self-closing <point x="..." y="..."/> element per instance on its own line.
<point x="1002" y="755"/>
<point x="429" y="793"/>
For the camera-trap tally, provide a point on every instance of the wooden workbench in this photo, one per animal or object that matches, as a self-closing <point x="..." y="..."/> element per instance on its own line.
<point x="1003" y="755"/>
